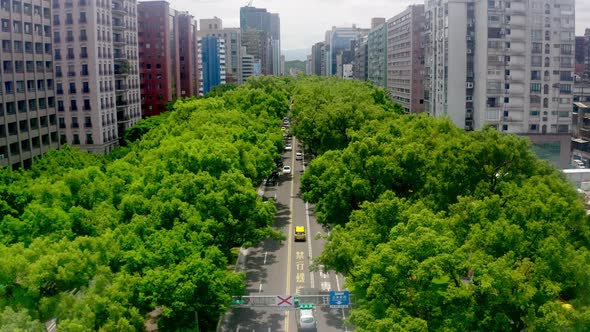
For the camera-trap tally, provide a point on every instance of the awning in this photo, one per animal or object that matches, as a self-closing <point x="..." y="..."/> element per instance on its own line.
<point x="581" y="105"/>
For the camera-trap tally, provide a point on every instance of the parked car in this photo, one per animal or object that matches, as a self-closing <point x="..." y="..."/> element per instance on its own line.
<point x="288" y="147"/>
<point x="298" y="156"/>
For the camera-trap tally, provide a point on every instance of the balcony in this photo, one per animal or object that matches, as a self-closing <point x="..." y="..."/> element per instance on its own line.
<point x="119" y="56"/>
<point x="71" y="73"/>
<point x="117" y="41"/>
<point x="75" y="125"/>
<point x="119" y="10"/>
<point x="84" y="73"/>
<point x="118" y="26"/>
<point x="83" y="38"/>
<point x="83" y="55"/>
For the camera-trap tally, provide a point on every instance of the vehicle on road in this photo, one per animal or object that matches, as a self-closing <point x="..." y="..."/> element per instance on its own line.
<point x="305" y="318"/>
<point x="298" y="156"/>
<point x="300" y="233"/>
<point x="288" y="147"/>
<point x="286" y="169"/>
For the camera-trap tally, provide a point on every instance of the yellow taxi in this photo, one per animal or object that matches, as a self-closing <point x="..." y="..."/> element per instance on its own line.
<point x="299" y="233"/>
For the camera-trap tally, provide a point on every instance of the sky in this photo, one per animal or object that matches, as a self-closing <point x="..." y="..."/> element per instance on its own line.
<point x="304" y="22"/>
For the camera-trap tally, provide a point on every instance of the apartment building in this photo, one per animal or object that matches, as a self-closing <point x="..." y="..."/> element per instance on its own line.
<point x="361" y="58"/>
<point x="213" y="27"/>
<point x="168" y="55"/>
<point x="517" y="79"/>
<point x="96" y="70"/>
<point x="212" y="64"/>
<point x="248" y="65"/>
<point x="377" y="53"/>
<point x="317" y="58"/>
<point x="581" y="122"/>
<point x="187" y="55"/>
<point x="405" y="59"/>
<point x="583" y="55"/>
<point x="28" y="117"/>
<point x="337" y="40"/>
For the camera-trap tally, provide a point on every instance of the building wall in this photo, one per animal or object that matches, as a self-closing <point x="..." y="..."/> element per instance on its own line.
<point x="514" y="63"/>
<point x="233" y="45"/>
<point x="405" y="59"/>
<point x="28" y="120"/>
<point x="97" y="83"/>
<point x="156" y="56"/>
<point x="377" y="55"/>
<point x="583" y="55"/>
<point x="188" y="67"/>
<point x="210" y="63"/>
<point x="317" y="54"/>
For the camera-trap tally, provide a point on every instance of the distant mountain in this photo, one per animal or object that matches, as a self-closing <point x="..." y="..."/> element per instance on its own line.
<point x="299" y="54"/>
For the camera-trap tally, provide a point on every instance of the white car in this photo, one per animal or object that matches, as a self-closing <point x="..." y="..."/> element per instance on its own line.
<point x="286" y="169"/>
<point x="288" y="147"/>
<point x="306" y="320"/>
<point x="298" y="156"/>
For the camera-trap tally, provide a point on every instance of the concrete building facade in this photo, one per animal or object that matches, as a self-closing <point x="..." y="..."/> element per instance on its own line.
<point x="583" y="55"/>
<point x="213" y="27"/>
<point x="377" y="55"/>
<point x="261" y="37"/>
<point x="168" y="52"/>
<point x="405" y="59"/>
<point x="28" y="116"/>
<point x="96" y="71"/>
<point x="519" y="77"/>
<point x="317" y="58"/>
<point x="158" y="55"/>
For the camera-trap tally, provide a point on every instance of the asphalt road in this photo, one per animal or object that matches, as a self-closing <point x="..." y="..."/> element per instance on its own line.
<point x="282" y="269"/>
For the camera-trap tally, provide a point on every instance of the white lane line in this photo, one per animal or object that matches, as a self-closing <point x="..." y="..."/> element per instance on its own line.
<point x="260" y="289"/>
<point x="266" y="253"/>
<point x="311" y="275"/>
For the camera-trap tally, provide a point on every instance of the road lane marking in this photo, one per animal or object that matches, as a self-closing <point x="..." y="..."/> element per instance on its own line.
<point x="301" y="278"/>
<point x="300" y="266"/>
<point x="311" y="276"/>
<point x="266" y="253"/>
<point x="260" y="289"/>
<point x="300" y="255"/>
<point x="290" y="238"/>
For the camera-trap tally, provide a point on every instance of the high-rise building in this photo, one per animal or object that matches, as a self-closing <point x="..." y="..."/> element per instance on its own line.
<point x="405" y="59"/>
<point x="338" y="40"/>
<point x="187" y="55"/>
<point x="317" y="58"/>
<point x="261" y="37"/>
<point x="583" y="55"/>
<point x="96" y="69"/>
<point x="28" y="120"/>
<point x="361" y="58"/>
<point x="507" y="64"/>
<point x="233" y="45"/>
<point x="377" y="54"/>
<point x="213" y="55"/>
<point x="248" y="65"/>
<point x="168" y="60"/>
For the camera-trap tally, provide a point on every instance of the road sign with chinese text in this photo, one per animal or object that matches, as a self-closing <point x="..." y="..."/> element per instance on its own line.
<point x="339" y="299"/>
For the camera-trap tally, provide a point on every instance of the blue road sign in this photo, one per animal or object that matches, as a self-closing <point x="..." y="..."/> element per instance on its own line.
<point x="339" y="299"/>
